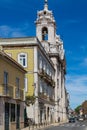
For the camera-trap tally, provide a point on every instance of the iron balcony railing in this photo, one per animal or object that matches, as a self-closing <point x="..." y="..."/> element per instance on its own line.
<point x="42" y="95"/>
<point x="19" y="94"/>
<point x="6" y="90"/>
<point x="46" y="77"/>
<point x="11" y="91"/>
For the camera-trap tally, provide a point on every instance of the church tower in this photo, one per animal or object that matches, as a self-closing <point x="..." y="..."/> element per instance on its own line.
<point x="46" y="27"/>
<point x="53" y="45"/>
<point x="46" y="31"/>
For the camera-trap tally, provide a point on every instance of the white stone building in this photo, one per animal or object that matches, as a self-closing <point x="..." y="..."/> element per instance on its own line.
<point x="46" y="33"/>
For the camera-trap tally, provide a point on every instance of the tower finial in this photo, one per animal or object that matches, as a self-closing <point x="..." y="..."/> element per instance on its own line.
<point x="46" y="5"/>
<point x="46" y="1"/>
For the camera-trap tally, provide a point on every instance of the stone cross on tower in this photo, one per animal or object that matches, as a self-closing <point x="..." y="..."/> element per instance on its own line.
<point x="46" y="1"/>
<point x="46" y="5"/>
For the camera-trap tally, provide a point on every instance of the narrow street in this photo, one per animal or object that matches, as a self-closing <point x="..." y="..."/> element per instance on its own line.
<point x="70" y="126"/>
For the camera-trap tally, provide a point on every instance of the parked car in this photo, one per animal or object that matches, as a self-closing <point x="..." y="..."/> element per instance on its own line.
<point x="81" y="118"/>
<point x="71" y="119"/>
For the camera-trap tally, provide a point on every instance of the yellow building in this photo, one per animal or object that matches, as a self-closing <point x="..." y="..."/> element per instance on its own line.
<point x="39" y="80"/>
<point x="24" y="55"/>
<point x="11" y="93"/>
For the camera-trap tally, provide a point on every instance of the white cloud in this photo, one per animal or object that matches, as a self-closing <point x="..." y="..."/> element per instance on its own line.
<point x="83" y="48"/>
<point x="71" y="21"/>
<point x="68" y="52"/>
<point x="77" y="87"/>
<point x="84" y="62"/>
<point x="7" y="31"/>
<point x="17" y="34"/>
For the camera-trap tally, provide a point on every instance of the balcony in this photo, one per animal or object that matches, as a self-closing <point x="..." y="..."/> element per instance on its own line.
<point x="10" y="91"/>
<point x="41" y="72"/>
<point x="49" y="78"/>
<point x="19" y="94"/>
<point x="6" y="90"/>
<point x="46" y="98"/>
<point x="42" y="96"/>
<point x="46" y="77"/>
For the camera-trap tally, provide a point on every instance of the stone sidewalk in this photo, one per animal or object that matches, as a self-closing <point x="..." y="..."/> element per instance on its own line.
<point x="38" y="127"/>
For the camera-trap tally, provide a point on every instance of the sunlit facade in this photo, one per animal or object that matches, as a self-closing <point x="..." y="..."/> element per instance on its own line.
<point x="11" y="93"/>
<point x="43" y="58"/>
<point x="53" y="45"/>
<point x="39" y="80"/>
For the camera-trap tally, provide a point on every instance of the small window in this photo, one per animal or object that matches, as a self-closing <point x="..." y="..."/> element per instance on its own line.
<point x="5" y="78"/>
<point x="22" y="59"/>
<point x="6" y="83"/>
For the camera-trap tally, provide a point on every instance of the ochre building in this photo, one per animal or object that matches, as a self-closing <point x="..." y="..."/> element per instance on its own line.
<point x="11" y="93"/>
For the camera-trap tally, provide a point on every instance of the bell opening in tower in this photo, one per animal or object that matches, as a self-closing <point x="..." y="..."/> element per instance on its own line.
<point x="44" y="34"/>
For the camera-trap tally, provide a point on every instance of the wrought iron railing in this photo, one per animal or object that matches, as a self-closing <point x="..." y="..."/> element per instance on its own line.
<point x="11" y="91"/>
<point x="19" y="93"/>
<point x="6" y="90"/>
<point x="45" y="97"/>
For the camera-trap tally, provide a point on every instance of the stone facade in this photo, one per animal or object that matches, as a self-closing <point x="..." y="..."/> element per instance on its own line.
<point x="46" y="33"/>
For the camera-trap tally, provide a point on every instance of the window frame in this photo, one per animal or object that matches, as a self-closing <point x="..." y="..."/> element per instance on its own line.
<point x="19" y="59"/>
<point x="5" y="82"/>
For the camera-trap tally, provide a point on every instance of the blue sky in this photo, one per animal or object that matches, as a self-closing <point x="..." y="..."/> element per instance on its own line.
<point x="17" y="20"/>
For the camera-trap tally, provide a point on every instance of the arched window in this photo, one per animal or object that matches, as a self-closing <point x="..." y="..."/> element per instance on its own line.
<point x="22" y="59"/>
<point x="44" y="33"/>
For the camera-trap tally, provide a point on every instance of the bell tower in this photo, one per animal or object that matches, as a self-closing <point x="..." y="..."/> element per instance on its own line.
<point x="53" y="45"/>
<point x="46" y="27"/>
